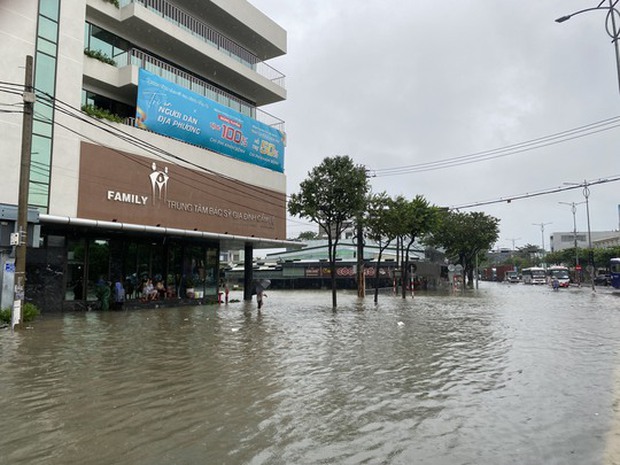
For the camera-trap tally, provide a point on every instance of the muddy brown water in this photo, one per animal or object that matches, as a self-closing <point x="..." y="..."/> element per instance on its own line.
<point x="508" y="374"/>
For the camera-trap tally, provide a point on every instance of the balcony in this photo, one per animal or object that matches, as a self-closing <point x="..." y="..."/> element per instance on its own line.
<point x="125" y="81"/>
<point x="210" y="36"/>
<point x="170" y="33"/>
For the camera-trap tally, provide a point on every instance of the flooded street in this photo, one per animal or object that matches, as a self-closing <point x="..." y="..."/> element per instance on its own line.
<point x="508" y="374"/>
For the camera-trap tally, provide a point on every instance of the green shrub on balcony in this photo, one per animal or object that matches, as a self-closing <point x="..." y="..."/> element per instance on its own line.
<point x="99" y="55"/>
<point x="113" y="2"/>
<point x="100" y="113"/>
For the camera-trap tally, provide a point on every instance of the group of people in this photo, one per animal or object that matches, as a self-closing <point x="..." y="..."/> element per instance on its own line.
<point x="120" y="291"/>
<point x="149" y="291"/>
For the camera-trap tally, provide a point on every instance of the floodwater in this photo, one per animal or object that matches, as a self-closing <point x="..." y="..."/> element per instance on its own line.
<point x="507" y="374"/>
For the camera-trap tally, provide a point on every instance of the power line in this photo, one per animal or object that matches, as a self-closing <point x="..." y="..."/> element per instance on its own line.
<point x="513" y="149"/>
<point x="528" y="195"/>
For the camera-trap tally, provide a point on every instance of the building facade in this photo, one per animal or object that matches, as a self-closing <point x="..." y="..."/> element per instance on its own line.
<point x="566" y="240"/>
<point x="150" y="153"/>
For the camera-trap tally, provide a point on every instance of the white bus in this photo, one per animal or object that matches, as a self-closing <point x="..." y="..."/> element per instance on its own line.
<point x="534" y="275"/>
<point x="560" y="273"/>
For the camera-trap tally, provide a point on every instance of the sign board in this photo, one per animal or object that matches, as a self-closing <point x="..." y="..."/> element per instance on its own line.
<point x="9" y="267"/>
<point x="174" y="111"/>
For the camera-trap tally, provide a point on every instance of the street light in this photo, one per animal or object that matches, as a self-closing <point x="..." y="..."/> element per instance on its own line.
<point x="542" y="232"/>
<point x="611" y="32"/>
<point x="513" y="242"/>
<point x="573" y="206"/>
<point x="586" y="194"/>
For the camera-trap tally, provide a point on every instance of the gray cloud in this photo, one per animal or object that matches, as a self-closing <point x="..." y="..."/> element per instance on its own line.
<point x="395" y="83"/>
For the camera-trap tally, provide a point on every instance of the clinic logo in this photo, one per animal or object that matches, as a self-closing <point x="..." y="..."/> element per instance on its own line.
<point x="159" y="183"/>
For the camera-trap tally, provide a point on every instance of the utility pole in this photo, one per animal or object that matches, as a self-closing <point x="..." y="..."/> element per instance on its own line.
<point x="22" y="203"/>
<point x="573" y="206"/>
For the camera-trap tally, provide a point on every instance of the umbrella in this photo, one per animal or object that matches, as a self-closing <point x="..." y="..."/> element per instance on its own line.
<point x="260" y="285"/>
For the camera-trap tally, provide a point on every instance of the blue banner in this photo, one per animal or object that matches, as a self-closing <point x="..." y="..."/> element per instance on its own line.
<point x="174" y="111"/>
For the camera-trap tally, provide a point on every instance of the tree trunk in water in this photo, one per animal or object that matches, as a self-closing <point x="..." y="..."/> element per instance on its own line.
<point x="377" y="279"/>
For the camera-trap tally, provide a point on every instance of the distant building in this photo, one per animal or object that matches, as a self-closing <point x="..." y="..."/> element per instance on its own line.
<point x="308" y="267"/>
<point x="566" y="240"/>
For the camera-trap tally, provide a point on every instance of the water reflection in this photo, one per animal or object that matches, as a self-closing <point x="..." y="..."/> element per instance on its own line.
<point x="509" y="374"/>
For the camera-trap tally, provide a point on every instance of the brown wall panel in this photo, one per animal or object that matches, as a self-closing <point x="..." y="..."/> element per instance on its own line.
<point x="118" y="186"/>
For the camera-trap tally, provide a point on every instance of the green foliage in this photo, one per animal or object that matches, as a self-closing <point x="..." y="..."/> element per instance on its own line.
<point x="569" y="257"/>
<point x="29" y="313"/>
<point x="382" y="220"/>
<point x="99" y="55"/>
<point x="113" y="2"/>
<point x="381" y="224"/>
<point x="464" y="235"/>
<point x="333" y="194"/>
<point x="100" y="113"/>
<point x="307" y="236"/>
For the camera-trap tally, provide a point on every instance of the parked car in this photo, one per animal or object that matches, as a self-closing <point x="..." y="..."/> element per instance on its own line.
<point x="602" y="280"/>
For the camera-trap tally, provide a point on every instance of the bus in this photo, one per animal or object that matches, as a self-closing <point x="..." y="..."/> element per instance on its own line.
<point x="534" y="275"/>
<point x="614" y="272"/>
<point x="560" y="273"/>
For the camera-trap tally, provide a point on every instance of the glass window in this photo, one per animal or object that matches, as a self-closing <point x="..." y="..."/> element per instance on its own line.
<point x="43" y="111"/>
<point x="74" y="277"/>
<point x="49" y="8"/>
<point x="46" y="46"/>
<point x="41" y="128"/>
<point x="39" y="173"/>
<point x="48" y="29"/>
<point x="45" y="73"/>
<point x="37" y="197"/>
<point x="98" y="266"/>
<point x="175" y="261"/>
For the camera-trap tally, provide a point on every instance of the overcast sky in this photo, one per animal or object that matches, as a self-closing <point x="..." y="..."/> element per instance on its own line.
<point x="397" y="84"/>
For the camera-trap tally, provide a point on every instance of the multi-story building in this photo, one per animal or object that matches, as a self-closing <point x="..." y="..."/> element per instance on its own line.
<point x="150" y="152"/>
<point x="566" y="240"/>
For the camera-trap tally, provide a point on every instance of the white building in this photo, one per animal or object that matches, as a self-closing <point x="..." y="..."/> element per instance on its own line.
<point x="566" y="240"/>
<point x="193" y="167"/>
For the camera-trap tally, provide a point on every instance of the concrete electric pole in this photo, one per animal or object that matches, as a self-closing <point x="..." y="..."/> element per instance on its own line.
<point x="22" y="203"/>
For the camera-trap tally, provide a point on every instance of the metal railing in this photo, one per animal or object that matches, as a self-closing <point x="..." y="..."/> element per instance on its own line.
<point x="210" y="36"/>
<point x="160" y="68"/>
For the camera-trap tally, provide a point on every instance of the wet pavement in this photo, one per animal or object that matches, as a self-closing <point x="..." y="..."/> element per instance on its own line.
<point x="508" y="374"/>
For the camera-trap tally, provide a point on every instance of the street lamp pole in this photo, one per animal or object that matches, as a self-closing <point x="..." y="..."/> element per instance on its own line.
<point x="586" y="194"/>
<point x="609" y="20"/>
<point x="542" y="233"/>
<point x="573" y="206"/>
<point x="513" y="242"/>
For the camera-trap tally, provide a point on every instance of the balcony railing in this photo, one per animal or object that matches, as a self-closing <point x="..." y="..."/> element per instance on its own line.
<point x="141" y="59"/>
<point x="210" y="36"/>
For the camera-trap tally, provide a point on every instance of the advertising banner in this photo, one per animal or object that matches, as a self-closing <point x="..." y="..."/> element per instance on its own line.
<point x="174" y="111"/>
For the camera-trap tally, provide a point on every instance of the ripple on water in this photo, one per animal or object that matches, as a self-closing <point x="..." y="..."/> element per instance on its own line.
<point x="509" y="374"/>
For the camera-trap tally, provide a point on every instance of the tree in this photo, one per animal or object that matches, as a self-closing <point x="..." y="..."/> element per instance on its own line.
<point x="417" y="219"/>
<point x="307" y="236"/>
<point x="333" y="193"/>
<point x="381" y="225"/>
<point x="464" y="235"/>
<point x="529" y="255"/>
